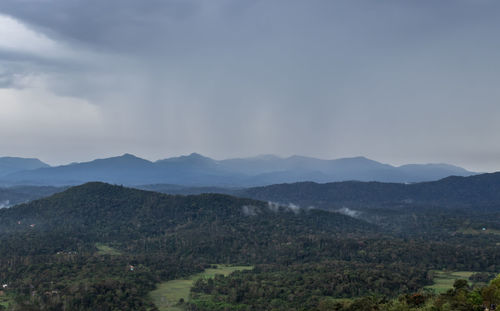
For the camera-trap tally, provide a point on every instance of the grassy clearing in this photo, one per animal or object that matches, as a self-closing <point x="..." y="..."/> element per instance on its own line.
<point x="342" y="300"/>
<point x="103" y="249"/>
<point x="443" y="280"/>
<point x="5" y="301"/>
<point x="168" y="294"/>
<point x="478" y="231"/>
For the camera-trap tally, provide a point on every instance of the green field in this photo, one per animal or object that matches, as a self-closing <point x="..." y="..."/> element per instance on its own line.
<point x="478" y="231"/>
<point x="168" y="294"/>
<point x="103" y="249"/>
<point x="443" y="280"/>
<point x="4" y="301"/>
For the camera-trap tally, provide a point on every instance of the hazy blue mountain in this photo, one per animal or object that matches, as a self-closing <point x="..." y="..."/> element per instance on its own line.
<point x="199" y="171"/>
<point x="125" y="169"/>
<point x="192" y="161"/>
<point x="432" y="171"/>
<point x="271" y="169"/>
<point x="269" y="164"/>
<point x="10" y="165"/>
<point x="128" y="170"/>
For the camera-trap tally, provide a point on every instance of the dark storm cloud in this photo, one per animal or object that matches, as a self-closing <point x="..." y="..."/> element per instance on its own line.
<point x="112" y="24"/>
<point x="399" y="81"/>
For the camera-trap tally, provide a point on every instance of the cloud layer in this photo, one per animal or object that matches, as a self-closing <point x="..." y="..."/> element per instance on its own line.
<point x="412" y="81"/>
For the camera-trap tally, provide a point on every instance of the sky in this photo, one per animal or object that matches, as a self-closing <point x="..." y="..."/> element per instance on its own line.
<point x="399" y="82"/>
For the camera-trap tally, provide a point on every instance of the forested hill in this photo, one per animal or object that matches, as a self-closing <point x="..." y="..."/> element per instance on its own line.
<point x="102" y="211"/>
<point x="51" y="243"/>
<point x="454" y="191"/>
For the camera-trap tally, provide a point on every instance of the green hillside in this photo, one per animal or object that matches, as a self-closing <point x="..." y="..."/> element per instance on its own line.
<point x="104" y="247"/>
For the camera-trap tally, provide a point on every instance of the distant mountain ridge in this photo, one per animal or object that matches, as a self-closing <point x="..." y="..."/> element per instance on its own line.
<point x="9" y="165"/>
<point x="198" y="170"/>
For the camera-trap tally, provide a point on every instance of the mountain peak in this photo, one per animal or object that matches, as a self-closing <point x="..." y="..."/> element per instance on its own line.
<point x="16" y="160"/>
<point x="96" y="187"/>
<point x="10" y="165"/>
<point x="125" y="158"/>
<point x="128" y="156"/>
<point x="357" y="158"/>
<point x="191" y="158"/>
<point x="195" y="155"/>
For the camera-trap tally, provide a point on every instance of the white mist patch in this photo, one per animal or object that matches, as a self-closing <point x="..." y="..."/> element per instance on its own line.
<point x="294" y="208"/>
<point x="5" y="204"/>
<point x="250" y="210"/>
<point x="349" y="212"/>
<point x="275" y="207"/>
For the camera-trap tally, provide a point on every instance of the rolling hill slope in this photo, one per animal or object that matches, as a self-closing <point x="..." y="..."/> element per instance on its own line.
<point x="454" y="191"/>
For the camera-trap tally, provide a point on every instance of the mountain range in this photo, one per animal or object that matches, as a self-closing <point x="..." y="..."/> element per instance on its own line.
<point x="197" y="170"/>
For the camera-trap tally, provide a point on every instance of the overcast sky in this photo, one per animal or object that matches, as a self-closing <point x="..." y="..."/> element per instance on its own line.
<point x="396" y="81"/>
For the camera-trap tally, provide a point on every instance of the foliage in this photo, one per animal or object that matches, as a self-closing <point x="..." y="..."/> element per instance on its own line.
<point x="75" y="251"/>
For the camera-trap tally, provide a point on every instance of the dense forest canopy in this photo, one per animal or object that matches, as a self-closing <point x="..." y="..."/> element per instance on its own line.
<point x="52" y="256"/>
